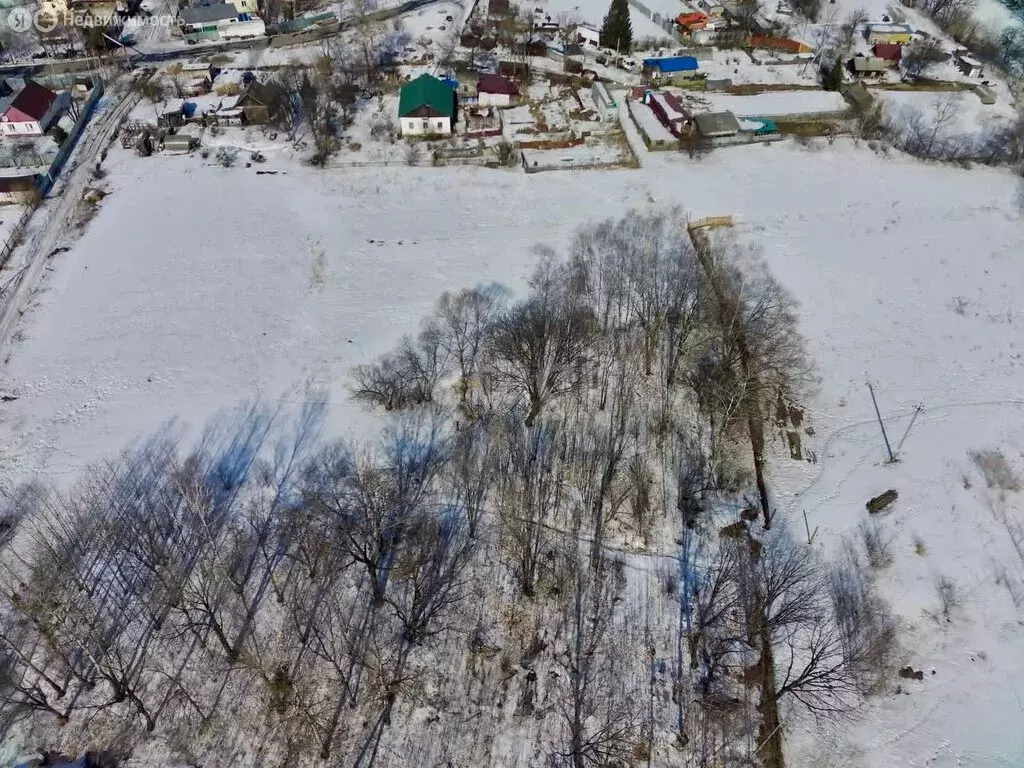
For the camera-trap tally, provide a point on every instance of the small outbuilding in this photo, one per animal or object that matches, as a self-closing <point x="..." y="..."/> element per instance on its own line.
<point x="969" y="65"/>
<point x="869" y="66"/>
<point x="717" y="125"/>
<point x="18" y="190"/>
<point x="607" y="107"/>
<point x="986" y="94"/>
<point x="426" y="106"/>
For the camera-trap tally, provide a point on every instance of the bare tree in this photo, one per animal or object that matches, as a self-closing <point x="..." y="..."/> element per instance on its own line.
<point x="921" y="56"/>
<point x="538" y="347"/>
<point x="464" y="320"/>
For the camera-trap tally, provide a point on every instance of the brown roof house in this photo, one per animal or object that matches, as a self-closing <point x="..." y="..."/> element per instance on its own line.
<point x="891" y="52"/>
<point x="495" y="91"/>
<point x="33" y="110"/>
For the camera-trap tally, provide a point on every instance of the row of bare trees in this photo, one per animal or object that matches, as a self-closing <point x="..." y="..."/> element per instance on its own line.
<point x="175" y="590"/>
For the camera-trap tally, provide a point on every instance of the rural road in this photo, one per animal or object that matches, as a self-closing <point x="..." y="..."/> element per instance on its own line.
<point x="59" y="66"/>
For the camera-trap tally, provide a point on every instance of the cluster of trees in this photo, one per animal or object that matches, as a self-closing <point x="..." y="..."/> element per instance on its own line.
<point x="934" y="132"/>
<point x="484" y="569"/>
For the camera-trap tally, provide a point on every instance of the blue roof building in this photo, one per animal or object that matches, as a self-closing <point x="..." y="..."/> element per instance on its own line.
<point x="684" y="66"/>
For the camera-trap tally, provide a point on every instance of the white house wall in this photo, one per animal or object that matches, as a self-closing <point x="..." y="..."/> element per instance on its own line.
<point x="27" y="128"/>
<point x="423" y="126"/>
<point x="494" y="100"/>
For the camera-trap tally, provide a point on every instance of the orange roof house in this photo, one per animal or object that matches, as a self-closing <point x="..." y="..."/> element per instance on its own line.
<point x="692" y="21"/>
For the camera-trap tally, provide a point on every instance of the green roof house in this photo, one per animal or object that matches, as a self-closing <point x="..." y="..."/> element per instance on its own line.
<point x="426" y="106"/>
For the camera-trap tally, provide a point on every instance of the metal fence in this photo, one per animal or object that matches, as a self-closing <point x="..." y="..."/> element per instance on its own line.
<point x="47" y="181"/>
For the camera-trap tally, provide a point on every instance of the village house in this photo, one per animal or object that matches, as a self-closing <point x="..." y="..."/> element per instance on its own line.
<point x="900" y="34"/>
<point x="588" y="36"/>
<point x="607" y="107"/>
<point x="213" y="21"/>
<point x="426" y="106"/>
<point x="495" y="91"/>
<point x="670" y="68"/>
<point x="33" y="110"/>
<point x="691" y="22"/>
<point x="259" y="103"/>
<point x="968" y="65"/>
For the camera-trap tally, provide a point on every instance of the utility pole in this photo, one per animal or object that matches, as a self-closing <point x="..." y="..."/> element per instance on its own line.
<point x="878" y="413"/>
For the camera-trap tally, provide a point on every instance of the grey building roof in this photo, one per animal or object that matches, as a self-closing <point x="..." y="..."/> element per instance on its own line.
<point x="204" y="14"/>
<point x="712" y="124"/>
<point x="870" y="64"/>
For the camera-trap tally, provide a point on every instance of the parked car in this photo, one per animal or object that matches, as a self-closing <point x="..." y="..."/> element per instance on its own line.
<point x="601" y="60"/>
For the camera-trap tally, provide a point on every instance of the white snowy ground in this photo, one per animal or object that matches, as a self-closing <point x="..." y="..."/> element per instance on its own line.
<point x="198" y="286"/>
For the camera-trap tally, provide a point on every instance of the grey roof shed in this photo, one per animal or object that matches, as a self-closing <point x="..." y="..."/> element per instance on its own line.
<point x="205" y="14"/>
<point x="715" y="124"/>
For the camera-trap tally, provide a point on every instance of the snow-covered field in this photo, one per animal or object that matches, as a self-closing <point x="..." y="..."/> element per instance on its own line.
<point x="197" y="286"/>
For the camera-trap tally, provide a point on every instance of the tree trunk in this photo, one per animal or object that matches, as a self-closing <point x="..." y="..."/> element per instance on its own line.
<point x="756" y="428"/>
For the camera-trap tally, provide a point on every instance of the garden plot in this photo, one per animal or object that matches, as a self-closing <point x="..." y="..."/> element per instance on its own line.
<point x="775" y="103"/>
<point x="592" y="153"/>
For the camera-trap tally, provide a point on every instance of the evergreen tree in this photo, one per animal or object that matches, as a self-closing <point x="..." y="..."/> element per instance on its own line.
<point x="617" y="32"/>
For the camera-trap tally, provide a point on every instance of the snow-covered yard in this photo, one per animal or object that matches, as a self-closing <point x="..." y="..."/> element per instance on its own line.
<point x="197" y="286"/>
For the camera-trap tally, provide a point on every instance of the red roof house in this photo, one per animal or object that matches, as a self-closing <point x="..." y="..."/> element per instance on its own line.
<point x="495" y="91"/>
<point x="32" y="111"/>
<point x="889" y="51"/>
